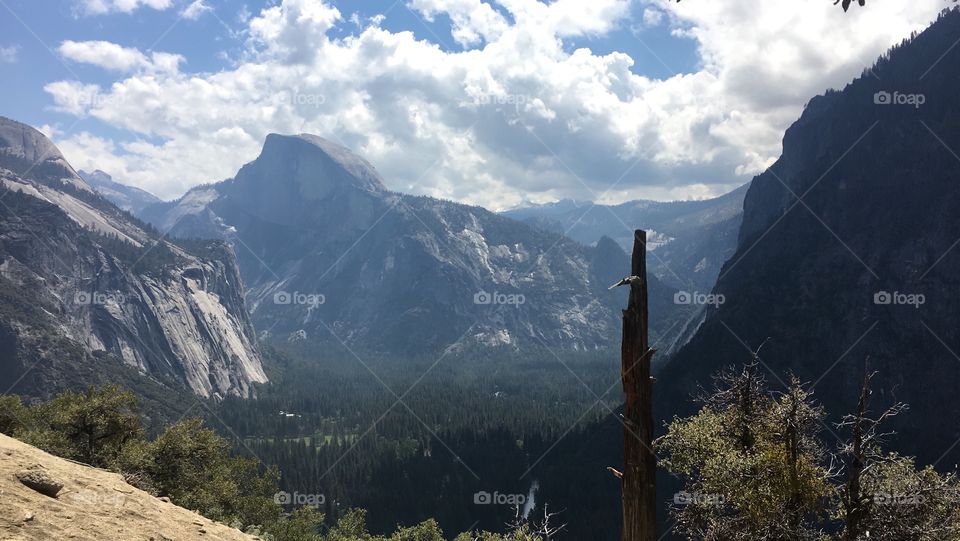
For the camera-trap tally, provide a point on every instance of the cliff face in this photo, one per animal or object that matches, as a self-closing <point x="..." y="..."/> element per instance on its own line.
<point x="866" y="265"/>
<point x="83" y="284"/>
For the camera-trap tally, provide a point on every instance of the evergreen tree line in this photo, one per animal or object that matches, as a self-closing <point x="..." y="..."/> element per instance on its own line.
<point x="471" y="424"/>
<point x="194" y="467"/>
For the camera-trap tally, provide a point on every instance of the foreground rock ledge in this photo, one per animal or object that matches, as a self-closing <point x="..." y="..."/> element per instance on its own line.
<point x="92" y="505"/>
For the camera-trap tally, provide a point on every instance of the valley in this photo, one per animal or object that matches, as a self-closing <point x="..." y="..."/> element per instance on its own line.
<point x="317" y="348"/>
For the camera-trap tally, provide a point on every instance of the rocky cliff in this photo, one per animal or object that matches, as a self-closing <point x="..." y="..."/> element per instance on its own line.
<point x="86" y="288"/>
<point x="848" y="250"/>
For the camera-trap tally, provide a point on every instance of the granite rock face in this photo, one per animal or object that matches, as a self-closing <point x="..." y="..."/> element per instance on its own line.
<point x="82" y="284"/>
<point x="866" y="266"/>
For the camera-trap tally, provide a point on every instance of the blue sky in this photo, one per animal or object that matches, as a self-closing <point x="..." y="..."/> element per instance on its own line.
<point x="599" y="99"/>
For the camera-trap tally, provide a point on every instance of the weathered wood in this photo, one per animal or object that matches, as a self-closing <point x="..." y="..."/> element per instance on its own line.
<point x="640" y="463"/>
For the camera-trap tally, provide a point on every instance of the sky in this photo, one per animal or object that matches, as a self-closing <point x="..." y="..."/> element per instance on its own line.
<point x="499" y="103"/>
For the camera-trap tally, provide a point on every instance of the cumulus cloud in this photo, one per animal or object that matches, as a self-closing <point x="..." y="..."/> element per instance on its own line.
<point x="111" y="56"/>
<point x="295" y="30"/>
<point x="473" y="21"/>
<point x="102" y="7"/>
<point x="515" y="115"/>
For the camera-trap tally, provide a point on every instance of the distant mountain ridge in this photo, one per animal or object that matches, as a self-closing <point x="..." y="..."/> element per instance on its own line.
<point x="691" y="239"/>
<point x="86" y="289"/>
<point x="128" y="198"/>
<point x="329" y="253"/>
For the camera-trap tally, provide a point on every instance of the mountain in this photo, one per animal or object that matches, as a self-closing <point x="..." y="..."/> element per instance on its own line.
<point x="128" y="198"/>
<point x="690" y="239"/>
<point x="848" y="251"/>
<point x="87" y="290"/>
<point x="328" y="253"/>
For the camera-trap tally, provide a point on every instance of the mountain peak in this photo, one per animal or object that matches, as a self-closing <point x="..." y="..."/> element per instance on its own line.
<point x="316" y="162"/>
<point x="129" y="198"/>
<point x="25" y="150"/>
<point x="96" y="174"/>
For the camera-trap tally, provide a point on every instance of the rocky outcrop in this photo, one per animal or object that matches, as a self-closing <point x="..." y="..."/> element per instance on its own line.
<point x="47" y="497"/>
<point x="82" y="282"/>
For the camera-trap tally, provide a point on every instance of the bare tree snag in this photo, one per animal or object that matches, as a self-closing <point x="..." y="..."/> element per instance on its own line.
<point x="640" y="464"/>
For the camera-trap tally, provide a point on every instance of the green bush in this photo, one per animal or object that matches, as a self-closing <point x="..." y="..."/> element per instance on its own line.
<point x="13" y="415"/>
<point x="92" y="427"/>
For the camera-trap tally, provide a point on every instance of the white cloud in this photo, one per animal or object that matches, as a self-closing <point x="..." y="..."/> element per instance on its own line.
<point x="196" y="8"/>
<point x="473" y="21"/>
<point x="652" y="16"/>
<point x="243" y="14"/>
<point x="73" y="97"/>
<point x="9" y="54"/>
<point x="516" y="116"/>
<point x="111" y="56"/>
<point x="294" y="30"/>
<point x="102" y="7"/>
<point x="49" y="131"/>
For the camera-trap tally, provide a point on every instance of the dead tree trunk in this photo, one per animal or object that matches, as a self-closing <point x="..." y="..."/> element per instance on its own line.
<point x="639" y="472"/>
<point x="853" y="499"/>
